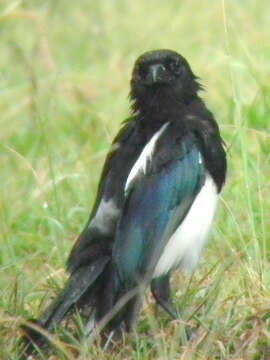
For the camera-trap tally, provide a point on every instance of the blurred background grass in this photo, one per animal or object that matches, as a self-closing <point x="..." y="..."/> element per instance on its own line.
<point x="64" y="79"/>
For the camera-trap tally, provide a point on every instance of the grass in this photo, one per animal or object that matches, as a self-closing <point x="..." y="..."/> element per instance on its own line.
<point x="65" y="69"/>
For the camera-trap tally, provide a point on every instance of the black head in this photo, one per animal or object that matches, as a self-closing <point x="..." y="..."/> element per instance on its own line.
<point x="162" y="74"/>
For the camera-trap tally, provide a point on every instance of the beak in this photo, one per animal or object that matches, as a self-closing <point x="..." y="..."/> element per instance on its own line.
<point x="157" y="74"/>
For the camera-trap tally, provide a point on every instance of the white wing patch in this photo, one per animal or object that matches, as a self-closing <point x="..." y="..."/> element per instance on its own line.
<point x="186" y="244"/>
<point x="146" y="155"/>
<point x="105" y="216"/>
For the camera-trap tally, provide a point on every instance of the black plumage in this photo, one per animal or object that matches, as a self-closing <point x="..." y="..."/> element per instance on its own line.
<point x="164" y="172"/>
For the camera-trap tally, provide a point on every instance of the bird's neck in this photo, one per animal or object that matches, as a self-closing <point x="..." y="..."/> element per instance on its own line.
<point x="162" y="108"/>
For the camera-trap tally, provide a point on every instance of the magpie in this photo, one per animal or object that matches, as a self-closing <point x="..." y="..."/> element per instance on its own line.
<point x="155" y="203"/>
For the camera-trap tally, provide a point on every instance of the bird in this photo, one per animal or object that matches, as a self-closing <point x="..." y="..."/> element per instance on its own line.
<point x="155" y="203"/>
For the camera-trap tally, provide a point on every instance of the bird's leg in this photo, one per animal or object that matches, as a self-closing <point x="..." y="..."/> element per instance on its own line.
<point x="122" y="322"/>
<point x="160" y="288"/>
<point x="132" y="312"/>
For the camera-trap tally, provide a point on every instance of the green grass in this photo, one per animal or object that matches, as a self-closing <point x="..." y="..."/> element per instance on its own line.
<point x="64" y="79"/>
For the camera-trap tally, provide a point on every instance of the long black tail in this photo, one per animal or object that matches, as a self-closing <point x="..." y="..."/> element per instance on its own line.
<point x="81" y="284"/>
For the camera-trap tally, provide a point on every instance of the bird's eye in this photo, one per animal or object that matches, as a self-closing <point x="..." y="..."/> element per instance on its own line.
<point x="175" y="67"/>
<point x="143" y="71"/>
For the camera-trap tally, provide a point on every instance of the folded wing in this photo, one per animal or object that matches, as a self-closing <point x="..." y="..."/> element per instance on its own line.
<point x="158" y="198"/>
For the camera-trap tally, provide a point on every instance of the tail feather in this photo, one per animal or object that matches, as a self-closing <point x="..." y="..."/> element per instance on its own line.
<point x="79" y="283"/>
<point x="95" y="286"/>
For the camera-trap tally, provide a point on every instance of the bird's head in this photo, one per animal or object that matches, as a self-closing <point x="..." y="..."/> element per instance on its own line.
<point x="162" y="76"/>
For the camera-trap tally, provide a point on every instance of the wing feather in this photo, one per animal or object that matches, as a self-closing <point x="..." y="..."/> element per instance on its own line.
<point x="157" y="202"/>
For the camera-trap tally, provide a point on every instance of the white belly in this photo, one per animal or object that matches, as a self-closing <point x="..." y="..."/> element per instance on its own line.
<point x="186" y="244"/>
